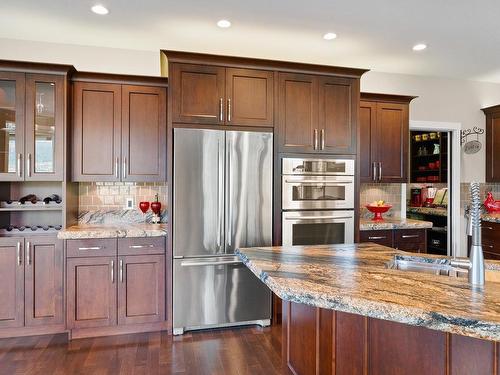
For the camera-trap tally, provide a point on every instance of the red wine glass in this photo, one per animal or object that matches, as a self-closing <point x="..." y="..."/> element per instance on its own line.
<point x="144" y="206"/>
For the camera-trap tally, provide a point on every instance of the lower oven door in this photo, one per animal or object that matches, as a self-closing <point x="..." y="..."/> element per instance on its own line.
<point x="317" y="227"/>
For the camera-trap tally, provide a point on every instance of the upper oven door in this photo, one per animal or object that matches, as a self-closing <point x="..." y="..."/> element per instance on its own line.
<point x="324" y="167"/>
<point x="317" y="192"/>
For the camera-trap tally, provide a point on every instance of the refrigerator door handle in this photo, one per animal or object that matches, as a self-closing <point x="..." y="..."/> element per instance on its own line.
<point x="229" y="198"/>
<point x="220" y="184"/>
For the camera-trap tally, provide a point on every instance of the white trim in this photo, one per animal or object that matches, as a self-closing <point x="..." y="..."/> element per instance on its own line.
<point x="454" y="218"/>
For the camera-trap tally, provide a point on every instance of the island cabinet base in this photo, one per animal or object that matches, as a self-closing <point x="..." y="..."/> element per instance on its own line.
<point x="322" y="341"/>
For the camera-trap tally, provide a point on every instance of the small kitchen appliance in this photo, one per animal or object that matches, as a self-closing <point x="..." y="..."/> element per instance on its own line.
<point x="416" y="197"/>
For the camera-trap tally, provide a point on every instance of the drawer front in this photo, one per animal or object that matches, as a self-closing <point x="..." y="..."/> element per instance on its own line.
<point x="141" y="246"/>
<point x="91" y="248"/>
<point x="412" y="247"/>
<point x="490" y="232"/>
<point x="409" y="235"/>
<point x="381" y="237"/>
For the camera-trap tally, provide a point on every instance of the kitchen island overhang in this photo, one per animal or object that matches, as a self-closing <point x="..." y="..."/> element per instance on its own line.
<point x="344" y="299"/>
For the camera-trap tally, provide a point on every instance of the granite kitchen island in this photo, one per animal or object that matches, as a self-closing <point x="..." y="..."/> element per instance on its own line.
<point x="346" y="311"/>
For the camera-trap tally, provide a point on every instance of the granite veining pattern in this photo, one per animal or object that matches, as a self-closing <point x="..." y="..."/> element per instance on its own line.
<point x="436" y="211"/>
<point x="356" y="279"/>
<point x="83" y="231"/>
<point x="393" y="223"/>
<point x="118" y="217"/>
<point x="492" y="218"/>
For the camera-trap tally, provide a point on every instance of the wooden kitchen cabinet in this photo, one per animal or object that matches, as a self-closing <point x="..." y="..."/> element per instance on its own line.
<point x="215" y="95"/>
<point x="141" y="289"/>
<point x="411" y="240"/>
<point x="12" y="282"/>
<point x="492" y="143"/>
<point x="33" y="120"/>
<point x="92" y="297"/>
<point x="119" y="130"/>
<point x="384" y="139"/>
<point x="44" y="281"/>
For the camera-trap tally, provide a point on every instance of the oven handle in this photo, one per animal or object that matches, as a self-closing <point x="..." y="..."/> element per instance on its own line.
<point x="316" y="217"/>
<point x="317" y="182"/>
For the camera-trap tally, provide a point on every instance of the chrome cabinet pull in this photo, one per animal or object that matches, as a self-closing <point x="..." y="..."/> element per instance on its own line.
<point x="315" y="139"/>
<point x="322" y="133"/>
<point x="112" y="271"/>
<point x="121" y="270"/>
<point x="90" y="248"/>
<point x="410" y="236"/>
<point x="380" y="171"/>
<point x="140" y="246"/>
<point x="28" y="253"/>
<point x="124" y="168"/>
<point x="377" y="238"/>
<point x="374" y="171"/>
<point x="221" y="110"/>
<point x="18" y="253"/>
<point x="229" y="110"/>
<point x="20" y="165"/>
<point x="28" y="165"/>
<point x="117" y="167"/>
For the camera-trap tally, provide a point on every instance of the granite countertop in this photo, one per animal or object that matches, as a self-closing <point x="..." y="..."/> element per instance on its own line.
<point x="492" y="218"/>
<point x="393" y="223"/>
<point x="83" y="231"/>
<point x="436" y="211"/>
<point x="354" y="279"/>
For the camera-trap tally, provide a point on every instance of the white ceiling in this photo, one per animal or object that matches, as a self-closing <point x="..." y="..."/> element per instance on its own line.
<point x="463" y="36"/>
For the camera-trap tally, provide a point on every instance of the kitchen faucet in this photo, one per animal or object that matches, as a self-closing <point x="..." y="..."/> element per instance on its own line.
<point x="476" y="270"/>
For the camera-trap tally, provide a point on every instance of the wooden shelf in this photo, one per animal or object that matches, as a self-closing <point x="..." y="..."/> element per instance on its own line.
<point x="33" y="208"/>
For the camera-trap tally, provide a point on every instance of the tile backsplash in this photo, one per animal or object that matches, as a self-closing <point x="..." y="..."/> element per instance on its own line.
<point x="99" y="196"/>
<point x="390" y="193"/>
<point x="485" y="188"/>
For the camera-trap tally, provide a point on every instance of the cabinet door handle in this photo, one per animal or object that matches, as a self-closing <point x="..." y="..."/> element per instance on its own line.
<point x="117" y="167"/>
<point x="410" y="236"/>
<point x="90" y="248"/>
<point x="18" y="253"/>
<point x="28" y="165"/>
<point x="124" y="167"/>
<point x="374" y="171"/>
<point x="315" y="139"/>
<point x="221" y="109"/>
<point x="121" y="270"/>
<point x="20" y="165"/>
<point x="490" y="228"/>
<point x="377" y="238"/>
<point x="229" y="110"/>
<point x="28" y="253"/>
<point x="322" y="133"/>
<point x="380" y="171"/>
<point x="112" y="271"/>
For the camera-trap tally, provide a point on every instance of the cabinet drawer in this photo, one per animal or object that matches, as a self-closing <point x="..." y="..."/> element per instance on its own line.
<point x="381" y="237"/>
<point x="412" y="247"/>
<point x="141" y="246"/>
<point x="91" y="248"/>
<point x="409" y="235"/>
<point x="490" y="232"/>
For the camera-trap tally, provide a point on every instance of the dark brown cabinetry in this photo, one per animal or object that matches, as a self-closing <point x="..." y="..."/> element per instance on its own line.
<point x="412" y="240"/>
<point x="490" y="239"/>
<point x="492" y="143"/>
<point x="119" y="131"/>
<point x="203" y="94"/>
<point x="33" y="118"/>
<point x="384" y="137"/>
<point x="316" y="113"/>
<point x="32" y="279"/>
<point x="119" y="284"/>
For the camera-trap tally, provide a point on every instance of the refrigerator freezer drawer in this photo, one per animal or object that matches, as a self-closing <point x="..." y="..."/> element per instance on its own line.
<point x="217" y="291"/>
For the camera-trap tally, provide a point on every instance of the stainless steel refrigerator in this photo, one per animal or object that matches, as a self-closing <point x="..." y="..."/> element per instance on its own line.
<point x="222" y="200"/>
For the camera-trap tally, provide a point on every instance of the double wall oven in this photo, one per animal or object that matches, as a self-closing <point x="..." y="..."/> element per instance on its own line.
<point x="317" y="201"/>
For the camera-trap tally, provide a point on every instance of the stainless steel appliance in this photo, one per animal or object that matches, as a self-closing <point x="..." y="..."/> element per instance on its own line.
<point x="317" y="184"/>
<point x="222" y="200"/>
<point x="317" y="201"/>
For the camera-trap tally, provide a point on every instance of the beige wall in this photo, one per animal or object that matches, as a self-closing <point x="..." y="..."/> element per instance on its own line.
<point x="438" y="99"/>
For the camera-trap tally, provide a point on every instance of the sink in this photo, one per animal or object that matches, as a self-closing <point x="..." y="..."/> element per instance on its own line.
<point x="434" y="266"/>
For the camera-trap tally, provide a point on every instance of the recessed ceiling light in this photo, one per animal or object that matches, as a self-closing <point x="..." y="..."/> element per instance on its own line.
<point x="419" y="47"/>
<point x="100" y="9"/>
<point x="329" y="36"/>
<point x="224" y="24"/>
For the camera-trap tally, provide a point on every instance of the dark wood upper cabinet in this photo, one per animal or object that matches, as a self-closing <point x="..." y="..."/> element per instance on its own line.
<point x="337" y="119"/>
<point x="144" y="133"/>
<point x="119" y="130"/>
<point x="141" y="289"/>
<point x="12" y="282"/>
<point x="44" y="281"/>
<point x="197" y="94"/>
<point x="298" y="112"/>
<point x="96" y="131"/>
<point x="492" y="143"/>
<point x="92" y="295"/>
<point x="250" y="97"/>
<point x="385" y="137"/>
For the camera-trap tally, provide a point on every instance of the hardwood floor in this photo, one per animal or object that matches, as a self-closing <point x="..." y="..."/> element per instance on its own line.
<point x="238" y="351"/>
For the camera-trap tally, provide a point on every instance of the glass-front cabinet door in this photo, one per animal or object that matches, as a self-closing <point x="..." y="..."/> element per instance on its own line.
<point x="12" y="86"/>
<point x="44" y="127"/>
